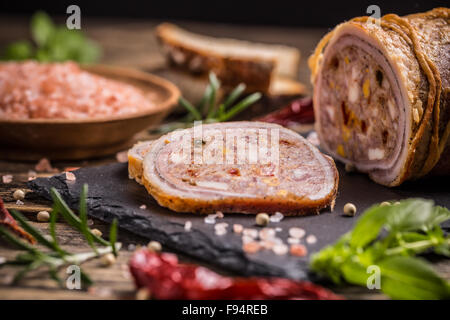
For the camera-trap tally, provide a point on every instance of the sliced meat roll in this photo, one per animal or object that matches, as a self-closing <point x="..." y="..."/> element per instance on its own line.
<point x="381" y="94"/>
<point x="245" y="167"/>
<point x="135" y="159"/>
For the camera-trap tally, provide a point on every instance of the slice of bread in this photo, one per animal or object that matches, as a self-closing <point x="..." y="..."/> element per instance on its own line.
<point x="234" y="61"/>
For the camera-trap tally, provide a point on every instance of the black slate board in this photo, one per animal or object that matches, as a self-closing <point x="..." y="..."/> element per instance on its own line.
<point x="113" y="194"/>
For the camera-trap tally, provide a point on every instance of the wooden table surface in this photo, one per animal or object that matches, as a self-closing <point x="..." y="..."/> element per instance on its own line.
<point x="126" y="43"/>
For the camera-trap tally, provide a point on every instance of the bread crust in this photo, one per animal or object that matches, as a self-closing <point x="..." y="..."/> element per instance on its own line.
<point x="257" y="73"/>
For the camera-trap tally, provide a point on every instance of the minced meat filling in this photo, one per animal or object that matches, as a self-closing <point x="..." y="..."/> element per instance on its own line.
<point x="297" y="173"/>
<point x="358" y="106"/>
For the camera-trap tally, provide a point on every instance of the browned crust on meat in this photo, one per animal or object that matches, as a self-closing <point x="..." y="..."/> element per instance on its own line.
<point x="135" y="169"/>
<point x="255" y="73"/>
<point x="423" y="37"/>
<point x="288" y="205"/>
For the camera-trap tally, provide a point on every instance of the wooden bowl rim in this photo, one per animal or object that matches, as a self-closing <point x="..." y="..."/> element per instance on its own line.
<point x="174" y="94"/>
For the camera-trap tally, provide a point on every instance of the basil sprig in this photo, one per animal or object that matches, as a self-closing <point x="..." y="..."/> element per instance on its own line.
<point x="390" y="238"/>
<point x="52" y="43"/>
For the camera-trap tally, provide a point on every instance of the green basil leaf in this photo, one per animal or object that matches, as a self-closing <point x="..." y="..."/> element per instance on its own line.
<point x="411" y="278"/>
<point x="42" y="28"/>
<point x="355" y="272"/>
<point x="369" y="225"/>
<point x="19" y="50"/>
<point x="438" y="215"/>
<point x="410" y="215"/>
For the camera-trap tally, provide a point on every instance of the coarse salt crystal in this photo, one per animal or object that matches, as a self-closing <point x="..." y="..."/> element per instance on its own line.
<point x="221" y="231"/>
<point x="311" y="239"/>
<point x="143" y="207"/>
<point x="267" y="233"/>
<point x="277" y="217"/>
<point x="291" y="240"/>
<point x="187" y="225"/>
<point x="298" y="250"/>
<point x="246" y="239"/>
<point x="280" y="249"/>
<point x="251" y="247"/>
<point x="237" y="228"/>
<point x="122" y="156"/>
<point x="221" y="225"/>
<point x="267" y="244"/>
<point x="70" y="176"/>
<point x="278" y="229"/>
<point x="7" y="178"/>
<point x="253" y="233"/>
<point x="210" y="219"/>
<point x="19" y="203"/>
<point x="219" y="214"/>
<point x="295" y="232"/>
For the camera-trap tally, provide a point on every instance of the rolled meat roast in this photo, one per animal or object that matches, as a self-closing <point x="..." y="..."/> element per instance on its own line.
<point x="381" y="95"/>
<point x="245" y="167"/>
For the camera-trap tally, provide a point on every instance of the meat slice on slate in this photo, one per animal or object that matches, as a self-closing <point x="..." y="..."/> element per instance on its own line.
<point x="381" y="95"/>
<point x="242" y="167"/>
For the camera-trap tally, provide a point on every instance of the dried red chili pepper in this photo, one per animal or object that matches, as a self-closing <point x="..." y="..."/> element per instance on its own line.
<point x="8" y="221"/>
<point x="299" y="111"/>
<point x="167" y="279"/>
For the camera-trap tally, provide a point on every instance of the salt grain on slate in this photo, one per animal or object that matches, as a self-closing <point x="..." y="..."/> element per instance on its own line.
<point x="219" y="214"/>
<point x="266" y="233"/>
<point x="280" y="249"/>
<point x="291" y="240"/>
<point x="277" y="217"/>
<point x="221" y="231"/>
<point x="246" y="239"/>
<point x="311" y="239"/>
<point x="188" y="225"/>
<point x="221" y="225"/>
<point x="143" y="207"/>
<point x="70" y="176"/>
<point x="251" y="247"/>
<point x="210" y="219"/>
<point x="237" y="228"/>
<point x="122" y="156"/>
<point x="253" y="233"/>
<point x="7" y="178"/>
<point x="295" y="232"/>
<point x="298" y="250"/>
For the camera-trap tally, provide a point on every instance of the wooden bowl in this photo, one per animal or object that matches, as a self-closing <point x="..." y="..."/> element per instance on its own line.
<point x="66" y="139"/>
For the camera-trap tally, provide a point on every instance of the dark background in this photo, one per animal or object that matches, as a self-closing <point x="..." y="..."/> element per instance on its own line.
<point x="313" y="13"/>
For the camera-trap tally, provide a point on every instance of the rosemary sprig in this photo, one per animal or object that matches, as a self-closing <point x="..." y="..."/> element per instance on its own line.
<point x="55" y="257"/>
<point x="207" y="110"/>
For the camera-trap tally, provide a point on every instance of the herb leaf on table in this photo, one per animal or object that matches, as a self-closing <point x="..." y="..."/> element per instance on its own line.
<point x="208" y="111"/>
<point x="52" y="43"/>
<point x="390" y="238"/>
